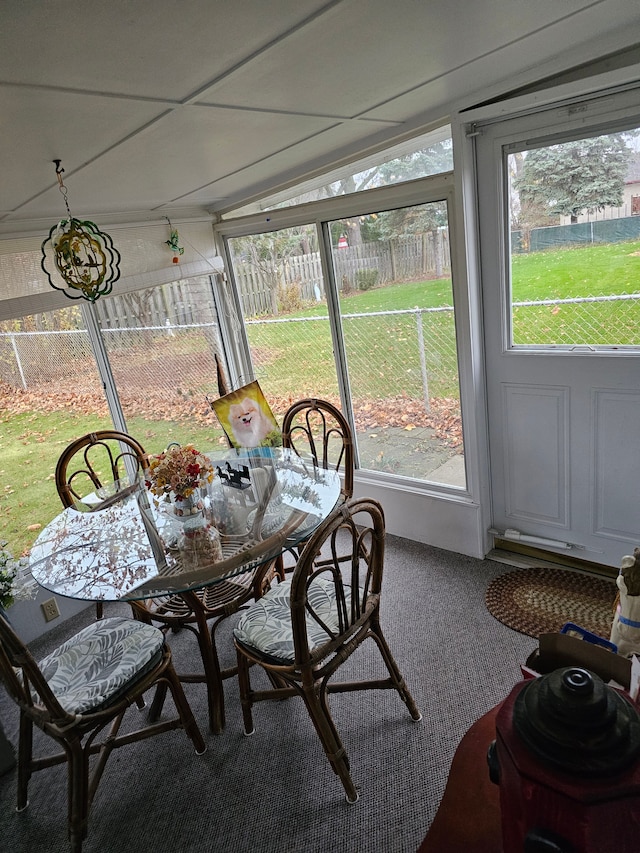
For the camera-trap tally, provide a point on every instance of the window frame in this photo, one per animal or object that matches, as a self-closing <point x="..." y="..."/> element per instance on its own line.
<point x="434" y="188"/>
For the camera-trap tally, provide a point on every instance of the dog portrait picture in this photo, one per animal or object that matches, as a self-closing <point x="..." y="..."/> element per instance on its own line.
<point x="247" y="419"/>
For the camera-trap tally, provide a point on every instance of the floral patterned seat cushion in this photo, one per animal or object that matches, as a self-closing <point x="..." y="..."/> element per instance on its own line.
<point x="93" y="667"/>
<point x="266" y="626"/>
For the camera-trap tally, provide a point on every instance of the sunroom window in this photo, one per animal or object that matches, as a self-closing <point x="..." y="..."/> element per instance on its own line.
<point x="351" y="298"/>
<point x="428" y="154"/>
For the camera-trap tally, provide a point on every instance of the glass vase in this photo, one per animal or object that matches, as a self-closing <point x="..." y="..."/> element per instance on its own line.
<point x="184" y="508"/>
<point x="198" y="542"/>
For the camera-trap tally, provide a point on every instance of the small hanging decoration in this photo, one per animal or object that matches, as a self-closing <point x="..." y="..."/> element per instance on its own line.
<point x="82" y="255"/>
<point x="173" y="244"/>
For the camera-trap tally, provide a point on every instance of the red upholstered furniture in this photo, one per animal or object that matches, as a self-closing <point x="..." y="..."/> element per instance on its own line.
<point x="468" y="819"/>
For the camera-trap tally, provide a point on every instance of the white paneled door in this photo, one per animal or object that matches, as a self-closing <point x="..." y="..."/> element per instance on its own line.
<point x="560" y="246"/>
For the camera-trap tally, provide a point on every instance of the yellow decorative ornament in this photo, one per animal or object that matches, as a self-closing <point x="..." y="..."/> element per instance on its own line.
<point x="78" y="258"/>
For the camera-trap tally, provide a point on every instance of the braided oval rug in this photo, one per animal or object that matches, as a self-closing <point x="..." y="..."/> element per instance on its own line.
<point x="540" y="600"/>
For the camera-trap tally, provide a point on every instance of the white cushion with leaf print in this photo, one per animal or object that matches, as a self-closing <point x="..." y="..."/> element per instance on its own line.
<point x="96" y="664"/>
<point x="266" y="625"/>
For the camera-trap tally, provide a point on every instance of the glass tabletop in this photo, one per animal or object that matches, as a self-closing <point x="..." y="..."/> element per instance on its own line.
<point x="127" y="547"/>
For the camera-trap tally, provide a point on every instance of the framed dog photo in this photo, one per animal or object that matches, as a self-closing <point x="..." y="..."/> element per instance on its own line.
<point x="247" y="419"/>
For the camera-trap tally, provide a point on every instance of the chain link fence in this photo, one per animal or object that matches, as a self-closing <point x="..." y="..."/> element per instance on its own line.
<point x="604" y="231"/>
<point x="409" y="352"/>
<point x="402" y="370"/>
<point x="402" y="367"/>
<point x="152" y="358"/>
<point x="607" y="321"/>
<point x="162" y="373"/>
<point x="389" y="353"/>
<point x="167" y="371"/>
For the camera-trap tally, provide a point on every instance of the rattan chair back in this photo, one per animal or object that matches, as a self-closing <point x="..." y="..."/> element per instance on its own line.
<point x="318" y="430"/>
<point x="96" y="460"/>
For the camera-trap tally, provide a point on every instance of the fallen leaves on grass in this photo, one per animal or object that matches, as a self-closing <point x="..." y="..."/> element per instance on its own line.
<point x="399" y="411"/>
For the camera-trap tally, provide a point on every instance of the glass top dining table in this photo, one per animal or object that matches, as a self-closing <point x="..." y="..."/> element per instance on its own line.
<point x="122" y="546"/>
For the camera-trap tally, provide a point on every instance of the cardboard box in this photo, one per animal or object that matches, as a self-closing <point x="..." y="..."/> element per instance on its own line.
<point x="558" y="650"/>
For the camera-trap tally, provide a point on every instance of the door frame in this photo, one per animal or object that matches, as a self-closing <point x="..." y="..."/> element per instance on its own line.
<point x="492" y="129"/>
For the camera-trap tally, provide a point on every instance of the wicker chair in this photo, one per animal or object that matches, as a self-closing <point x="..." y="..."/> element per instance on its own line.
<point x="87" y="465"/>
<point x="97" y="460"/>
<point x="72" y="695"/>
<point x="317" y="430"/>
<point x="305" y="628"/>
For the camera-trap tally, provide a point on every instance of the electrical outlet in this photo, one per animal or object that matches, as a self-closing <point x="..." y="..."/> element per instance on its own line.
<point x="50" y="609"/>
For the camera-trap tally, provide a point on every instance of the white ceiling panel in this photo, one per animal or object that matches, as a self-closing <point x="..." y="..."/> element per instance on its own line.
<point x="148" y="48"/>
<point x="155" y="106"/>
<point x="274" y="171"/>
<point x="469" y="83"/>
<point x="39" y="126"/>
<point x="187" y="151"/>
<point x="392" y="58"/>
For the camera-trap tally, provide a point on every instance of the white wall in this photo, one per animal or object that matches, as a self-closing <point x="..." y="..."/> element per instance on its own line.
<point x="27" y="618"/>
<point x="444" y="521"/>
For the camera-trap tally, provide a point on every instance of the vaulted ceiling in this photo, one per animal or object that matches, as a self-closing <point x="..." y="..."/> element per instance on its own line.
<point x="161" y="108"/>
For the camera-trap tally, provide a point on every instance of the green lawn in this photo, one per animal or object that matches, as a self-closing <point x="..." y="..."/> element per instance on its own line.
<point x="412" y="294"/>
<point x="30" y="445"/>
<point x="607" y="270"/>
<point x="380" y="349"/>
<point x="599" y="270"/>
<point x="300" y="355"/>
<point x="383" y="355"/>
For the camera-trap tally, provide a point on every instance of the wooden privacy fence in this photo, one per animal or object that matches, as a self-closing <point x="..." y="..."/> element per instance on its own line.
<point x="408" y="258"/>
<point x="189" y="300"/>
<point x="176" y="303"/>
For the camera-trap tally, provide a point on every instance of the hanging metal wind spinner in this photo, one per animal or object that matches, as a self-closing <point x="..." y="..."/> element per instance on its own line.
<point x="80" y="254"/>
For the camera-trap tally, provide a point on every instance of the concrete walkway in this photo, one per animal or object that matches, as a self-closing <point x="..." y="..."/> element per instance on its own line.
<point x="417" y="453"/>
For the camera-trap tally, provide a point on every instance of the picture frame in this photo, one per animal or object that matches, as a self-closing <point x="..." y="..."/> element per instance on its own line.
<point x="247" y="419"/>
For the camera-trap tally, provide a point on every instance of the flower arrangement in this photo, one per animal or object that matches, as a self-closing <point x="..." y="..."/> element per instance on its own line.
<point x="178" y="471"/>
<point x="16" y="581"/>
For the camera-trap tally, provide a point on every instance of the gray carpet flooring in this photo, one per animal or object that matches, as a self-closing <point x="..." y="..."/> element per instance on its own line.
<point x="275" y="791"/>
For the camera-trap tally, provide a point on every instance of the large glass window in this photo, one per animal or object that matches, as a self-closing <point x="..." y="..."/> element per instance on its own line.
<point x="575" y="242"/>
<point x="395" y="332"/>
<point x="50" y="393"/>
<point x="282" y="291"/>
<point x="161" y="344"/>
<point x="428" y="154"/>
<point x="393" y="270"/>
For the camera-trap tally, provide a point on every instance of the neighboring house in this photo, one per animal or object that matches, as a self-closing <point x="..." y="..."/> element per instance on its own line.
<point x="632" y="188"/>
<point x="630" y="199"/>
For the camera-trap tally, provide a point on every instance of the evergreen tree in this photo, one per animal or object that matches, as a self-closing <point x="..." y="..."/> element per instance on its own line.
<point x="573" y="177"/>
